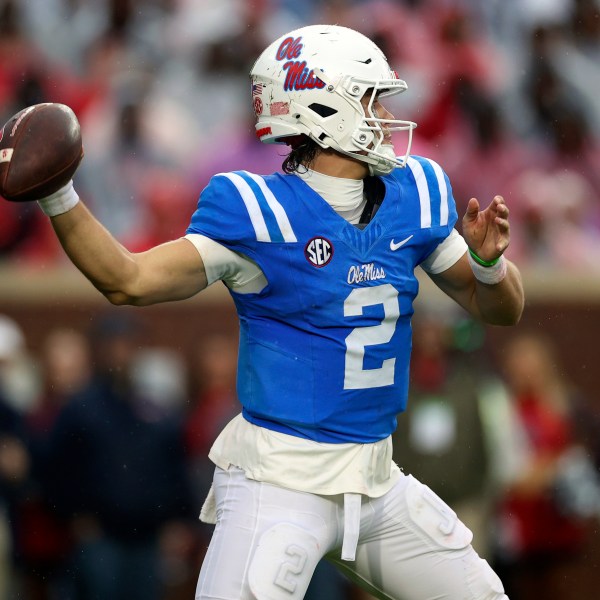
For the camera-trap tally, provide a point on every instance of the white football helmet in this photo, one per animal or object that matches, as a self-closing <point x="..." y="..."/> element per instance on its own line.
<point x="311" y="82"/>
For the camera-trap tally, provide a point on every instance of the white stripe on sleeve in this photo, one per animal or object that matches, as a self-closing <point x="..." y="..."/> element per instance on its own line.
<point x="443" y="192"/>
<point x="423" y="189"/>
<point x="278" y="210"/>
<point x="252" y="206"/>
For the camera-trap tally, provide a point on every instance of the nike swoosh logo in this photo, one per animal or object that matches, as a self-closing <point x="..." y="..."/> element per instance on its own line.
<point x="394" y="246"/>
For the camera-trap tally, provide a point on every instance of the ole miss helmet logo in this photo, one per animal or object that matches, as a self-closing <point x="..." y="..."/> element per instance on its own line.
<point x="299" y="75"/>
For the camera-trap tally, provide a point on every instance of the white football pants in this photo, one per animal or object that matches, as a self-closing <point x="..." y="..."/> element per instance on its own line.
<point x="268" y="541"/>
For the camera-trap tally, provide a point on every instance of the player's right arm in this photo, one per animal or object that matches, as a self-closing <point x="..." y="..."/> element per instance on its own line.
<point x="170" y="271"/>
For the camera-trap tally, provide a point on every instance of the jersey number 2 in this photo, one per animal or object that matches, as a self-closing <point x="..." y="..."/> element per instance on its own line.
<point x="355" y="375"/>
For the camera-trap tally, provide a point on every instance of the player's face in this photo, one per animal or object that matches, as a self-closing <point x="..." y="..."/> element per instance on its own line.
<point x="374" y="106"/>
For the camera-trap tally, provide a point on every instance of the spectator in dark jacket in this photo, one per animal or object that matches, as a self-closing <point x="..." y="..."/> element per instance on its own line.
<point x="117" y="473"/>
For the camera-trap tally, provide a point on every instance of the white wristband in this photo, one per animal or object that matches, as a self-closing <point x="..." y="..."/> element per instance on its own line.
<point x="60" y="202"/>
<point x="489" y="275"/>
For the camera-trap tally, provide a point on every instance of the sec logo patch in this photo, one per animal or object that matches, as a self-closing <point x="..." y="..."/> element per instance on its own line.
<point x="318" y="252"/>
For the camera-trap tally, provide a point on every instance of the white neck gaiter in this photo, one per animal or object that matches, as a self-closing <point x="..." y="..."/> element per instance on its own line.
<point x="345" y="196"/>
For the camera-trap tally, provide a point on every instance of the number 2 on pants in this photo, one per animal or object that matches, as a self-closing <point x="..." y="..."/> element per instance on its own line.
<point x="355" y="375"/>
<point x="290" y="569"/>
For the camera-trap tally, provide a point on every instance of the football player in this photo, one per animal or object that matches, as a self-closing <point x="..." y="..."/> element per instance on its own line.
<point x="320" y="261"/>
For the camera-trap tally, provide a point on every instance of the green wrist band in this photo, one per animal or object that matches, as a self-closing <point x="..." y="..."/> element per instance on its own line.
<point x="480" y="261"/>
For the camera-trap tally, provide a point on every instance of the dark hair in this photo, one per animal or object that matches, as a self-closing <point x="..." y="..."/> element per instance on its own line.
<point x="302" y="154"/>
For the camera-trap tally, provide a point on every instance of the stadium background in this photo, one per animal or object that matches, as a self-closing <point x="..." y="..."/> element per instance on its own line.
<point x="506" y="95"/>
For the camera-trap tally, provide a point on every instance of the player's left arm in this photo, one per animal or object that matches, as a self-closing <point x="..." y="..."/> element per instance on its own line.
<point x="487" y="234"/>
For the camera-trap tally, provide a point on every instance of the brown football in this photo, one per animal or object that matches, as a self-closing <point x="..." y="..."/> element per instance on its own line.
<point x="40" y="150"/>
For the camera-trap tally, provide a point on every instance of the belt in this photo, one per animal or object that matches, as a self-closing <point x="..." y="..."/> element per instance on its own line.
<point x="352" y="506"/>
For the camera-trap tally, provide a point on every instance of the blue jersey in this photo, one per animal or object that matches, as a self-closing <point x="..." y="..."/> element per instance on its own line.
<point x="325" y="346"/>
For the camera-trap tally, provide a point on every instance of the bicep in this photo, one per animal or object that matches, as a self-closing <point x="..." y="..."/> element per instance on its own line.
<point x="170" y="271"/>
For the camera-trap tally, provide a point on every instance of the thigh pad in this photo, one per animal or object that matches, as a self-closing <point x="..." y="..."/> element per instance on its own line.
<point x="284" y="562"/>
<point x="435" y="518"/>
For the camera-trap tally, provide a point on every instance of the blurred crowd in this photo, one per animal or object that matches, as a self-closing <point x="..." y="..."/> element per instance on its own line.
<point x="505" y="93"/>
<point x="103" y="460"/>
<point x="104" y="441"/>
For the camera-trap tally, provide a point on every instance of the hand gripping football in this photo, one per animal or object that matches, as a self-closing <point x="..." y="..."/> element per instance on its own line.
<point x="40" y="150"/>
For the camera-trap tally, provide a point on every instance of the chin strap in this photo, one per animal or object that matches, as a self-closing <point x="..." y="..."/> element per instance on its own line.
<point x="386" y="163"/>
